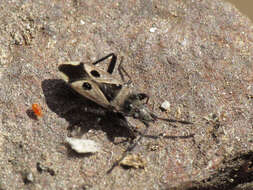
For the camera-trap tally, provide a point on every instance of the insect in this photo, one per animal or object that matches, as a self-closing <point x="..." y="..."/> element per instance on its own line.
<point x="37" y="110"/>
<point x="104" y="89"/>
<point x="114" y="95"/>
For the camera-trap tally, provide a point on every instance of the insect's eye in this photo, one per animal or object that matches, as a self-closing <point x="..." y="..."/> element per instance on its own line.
<point x="87" y="86"/>
<point x="94" y="73"/>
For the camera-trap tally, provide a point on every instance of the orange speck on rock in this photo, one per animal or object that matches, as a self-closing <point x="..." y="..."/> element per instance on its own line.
<point x="37" y="110"/>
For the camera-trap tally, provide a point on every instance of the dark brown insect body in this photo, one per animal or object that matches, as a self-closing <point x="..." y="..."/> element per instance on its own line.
<point x="107" y="91"/>
<point x="104" y="89"/>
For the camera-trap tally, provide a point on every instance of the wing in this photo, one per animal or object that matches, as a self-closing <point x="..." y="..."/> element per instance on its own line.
<point x="91" y="82"/>
<point x="90" y="90"/>
<point x="77" y="77"/>
<point x="109" y="85"/>
<point x="73" y="71"/>
<point x="99" y="75"/>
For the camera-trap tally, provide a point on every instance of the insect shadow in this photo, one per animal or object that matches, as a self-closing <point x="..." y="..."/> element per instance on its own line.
<point x="81" y="113"/>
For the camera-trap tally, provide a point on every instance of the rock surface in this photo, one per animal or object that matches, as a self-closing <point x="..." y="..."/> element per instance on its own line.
<point x="195" y="54"/>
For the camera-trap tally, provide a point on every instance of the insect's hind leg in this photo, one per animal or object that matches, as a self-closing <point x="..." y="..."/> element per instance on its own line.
<point x="129" y="149"/>
<point x="111" y="64"/>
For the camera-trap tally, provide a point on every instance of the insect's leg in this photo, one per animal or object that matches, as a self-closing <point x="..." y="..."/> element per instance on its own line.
<point x="122" y="122"/>
<point x="175" y="121"/>
<point x="84" y="109"/>
<point x="130" y="148"/>
<point x="111" y="64"/>
<point x="121" y="70"/>
<point x="95" y="111"/>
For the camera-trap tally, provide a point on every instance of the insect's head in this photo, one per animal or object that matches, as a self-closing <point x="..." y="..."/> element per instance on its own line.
<point x="135" y="106"/>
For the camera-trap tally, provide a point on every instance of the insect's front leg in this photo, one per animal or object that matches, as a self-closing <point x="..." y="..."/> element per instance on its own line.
<point x="111" y="64"/>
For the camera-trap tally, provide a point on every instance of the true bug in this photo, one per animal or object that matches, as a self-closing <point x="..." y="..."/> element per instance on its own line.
<point x="107" y="91"/>
<point x="114" y="95"/>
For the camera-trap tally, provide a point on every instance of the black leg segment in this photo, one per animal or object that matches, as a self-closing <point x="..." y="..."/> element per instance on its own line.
<point x="111" y="64"/>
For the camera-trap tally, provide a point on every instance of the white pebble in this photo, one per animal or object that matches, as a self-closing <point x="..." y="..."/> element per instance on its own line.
<point x="82" y="22"/>
<point x="165" y="105"/>
<point x="83" y="145"/>
<point x="153" y="29"/>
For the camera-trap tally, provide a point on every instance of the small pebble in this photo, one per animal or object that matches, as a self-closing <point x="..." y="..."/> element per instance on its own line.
<point x="165" y="106"/>
<point x="82" y="22"/>
<point x="134" y="161"/>
<point x="28" y="178"/>
<point x="153" y="29"/>
<point x="83" y="145"/>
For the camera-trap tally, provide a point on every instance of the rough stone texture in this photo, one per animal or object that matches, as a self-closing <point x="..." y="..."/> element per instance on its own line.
<point x="197" y="56"/>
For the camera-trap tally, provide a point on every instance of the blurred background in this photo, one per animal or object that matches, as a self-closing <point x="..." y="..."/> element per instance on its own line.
<point x="245" y="6"/>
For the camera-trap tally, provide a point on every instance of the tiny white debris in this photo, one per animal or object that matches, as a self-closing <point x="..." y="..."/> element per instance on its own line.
<point x="165" y="105"/>
<point x="153" y="29"/>
<point x="83" y="145"/>
<point x="184" y="42"/>
<point x="29" y="177"/>
<point x="82" y="22"/>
